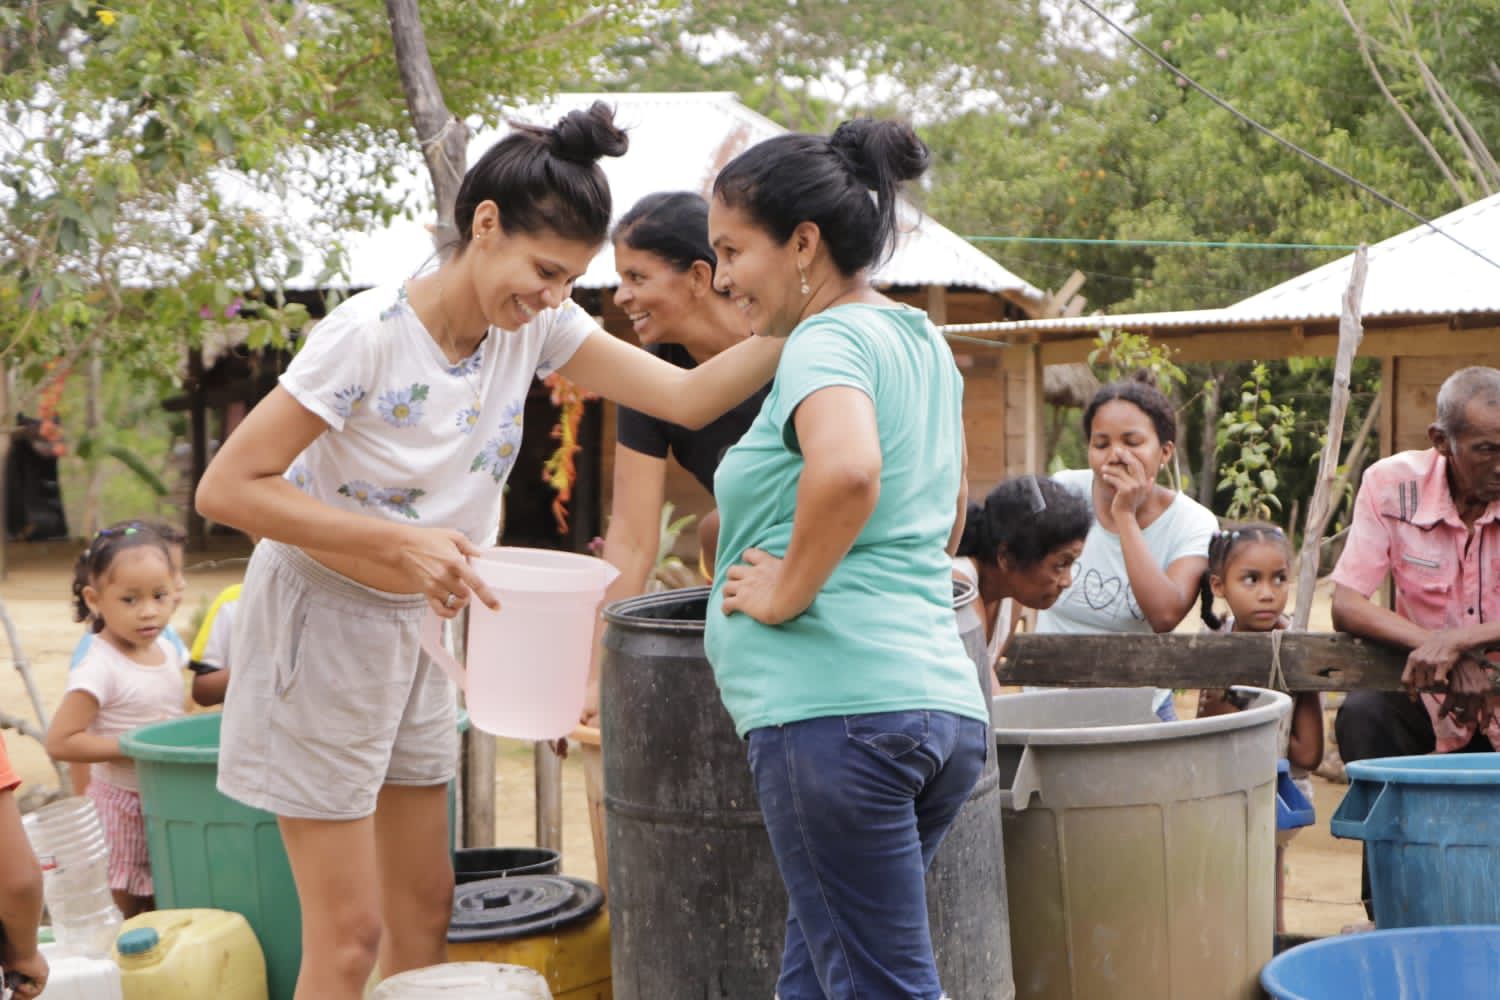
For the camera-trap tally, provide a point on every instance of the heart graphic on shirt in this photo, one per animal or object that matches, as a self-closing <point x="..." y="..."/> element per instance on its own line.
<point x="1098" y="592"/>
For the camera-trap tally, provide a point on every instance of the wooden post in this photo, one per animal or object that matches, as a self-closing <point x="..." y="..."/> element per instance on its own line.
<point x="477" y="766"/>
<point x="1036" y="431"/>
<point x="1389" y="375"/>
<point x="548" y="767"/>
<point x="937" y="304"/>
<point x="1321" y="505"/>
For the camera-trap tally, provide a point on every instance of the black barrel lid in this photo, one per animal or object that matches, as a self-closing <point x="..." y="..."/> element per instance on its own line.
<point x="497" y="909"/>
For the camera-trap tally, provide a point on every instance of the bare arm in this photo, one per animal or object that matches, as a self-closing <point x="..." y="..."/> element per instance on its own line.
<point x="243" y="487"/>
<point x="210" y="688"/>
<point x="1305" y="746"/>
<point x="689" y="397"/>
<point x="1164" y="596"/>
<point x="1356" y="614"/>
<point x="20" y="896"/>
<point x="836" y="494"/>
<point x="68" y="738"/>
<point x="630" y="545"/>
<point x="962" y="515"/>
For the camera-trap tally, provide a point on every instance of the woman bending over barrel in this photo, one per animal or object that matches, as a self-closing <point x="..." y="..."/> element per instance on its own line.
<point x="1019" y="547"/>
<point x="830" y="626"/>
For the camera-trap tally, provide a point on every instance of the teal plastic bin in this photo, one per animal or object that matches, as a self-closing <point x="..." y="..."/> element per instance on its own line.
<point x="1431" y="827"/>
<point x="208" y="850"/>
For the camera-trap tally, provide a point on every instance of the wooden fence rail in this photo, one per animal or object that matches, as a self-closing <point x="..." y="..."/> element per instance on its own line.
<point x="1309" y="661"/>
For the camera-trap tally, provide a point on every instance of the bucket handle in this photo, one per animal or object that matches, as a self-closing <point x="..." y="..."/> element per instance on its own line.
<point x="431" y="634"/>
<point x="1025" y="781"/>
<point x="1367" y="813"/>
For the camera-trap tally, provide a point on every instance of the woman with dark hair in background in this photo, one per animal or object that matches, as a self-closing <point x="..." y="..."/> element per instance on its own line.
<point x="830" y="625"/>
<point x="1148" y="548"/>
<point x="1019" y="547"/>
<point x="373" y="473"/>
<point x="666" y="290"/>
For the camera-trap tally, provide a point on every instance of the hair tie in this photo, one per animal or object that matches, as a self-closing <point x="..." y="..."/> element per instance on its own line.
<point x="1038" y="501"/>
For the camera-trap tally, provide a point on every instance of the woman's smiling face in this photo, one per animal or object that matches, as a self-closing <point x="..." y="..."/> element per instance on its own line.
<point x="655" y="296"/>
<point x="757" y="273"/>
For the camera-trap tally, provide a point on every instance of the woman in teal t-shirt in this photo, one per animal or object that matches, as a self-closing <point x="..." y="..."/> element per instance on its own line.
<point x="831" y="628"/>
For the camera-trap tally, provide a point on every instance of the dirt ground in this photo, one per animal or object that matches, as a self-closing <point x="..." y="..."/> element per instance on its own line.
<point x="1322" y="881"/>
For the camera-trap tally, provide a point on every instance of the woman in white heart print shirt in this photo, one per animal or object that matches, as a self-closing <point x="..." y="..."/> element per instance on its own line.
<point x="1148" y="547"/>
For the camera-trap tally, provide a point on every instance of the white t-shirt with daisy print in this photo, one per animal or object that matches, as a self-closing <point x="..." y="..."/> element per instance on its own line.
<point x="411" y="437"/>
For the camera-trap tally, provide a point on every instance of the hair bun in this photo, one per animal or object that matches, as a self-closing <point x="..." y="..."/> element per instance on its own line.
<point x="880" y="153"/>
<point x="585" y="136"/>
<point x="1144" y="376"/>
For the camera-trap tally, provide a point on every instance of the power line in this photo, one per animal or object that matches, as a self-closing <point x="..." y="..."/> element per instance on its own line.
<point x="1205" y="244"/>
<point x="1263" y="130"/>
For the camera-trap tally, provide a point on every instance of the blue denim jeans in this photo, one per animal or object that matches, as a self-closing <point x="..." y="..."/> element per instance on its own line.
<point x="856" y="807"/>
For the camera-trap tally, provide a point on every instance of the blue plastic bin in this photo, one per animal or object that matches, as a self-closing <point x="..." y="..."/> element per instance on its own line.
<point x="1293" y="810"/>
<point x="1431" y="827"/>
<point x="1421" y="963"/>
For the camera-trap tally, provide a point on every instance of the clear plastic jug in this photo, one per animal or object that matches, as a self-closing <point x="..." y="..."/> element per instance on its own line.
<point x="528" y="663"/>
<point x="68" y="840"/>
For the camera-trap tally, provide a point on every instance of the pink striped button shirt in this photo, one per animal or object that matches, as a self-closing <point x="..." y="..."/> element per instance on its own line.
<point x="1406" y="525"/>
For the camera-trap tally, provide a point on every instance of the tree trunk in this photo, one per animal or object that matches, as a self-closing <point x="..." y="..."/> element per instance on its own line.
<point x="443" y="138"/>
<point x="445" y="146"/>
<point x="91" y="422"/>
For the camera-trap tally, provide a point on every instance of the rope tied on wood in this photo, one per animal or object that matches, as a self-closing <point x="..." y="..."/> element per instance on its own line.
<point x="1277" y="679"/>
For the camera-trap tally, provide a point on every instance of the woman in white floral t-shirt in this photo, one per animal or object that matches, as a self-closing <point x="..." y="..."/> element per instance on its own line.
<point x="374" y="472"/>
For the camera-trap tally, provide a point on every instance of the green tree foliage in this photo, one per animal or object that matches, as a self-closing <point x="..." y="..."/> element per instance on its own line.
<point x="806" y="65"/>
<point x="130" y="135"/>
<point x="1253" y="439"/>
<point x="142" y="141"/>
<point x="1148" y="158"/>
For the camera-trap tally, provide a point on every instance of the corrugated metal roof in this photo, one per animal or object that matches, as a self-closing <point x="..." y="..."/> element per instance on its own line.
<point x="677" y="142"/>
<point x="1417" y="273"/>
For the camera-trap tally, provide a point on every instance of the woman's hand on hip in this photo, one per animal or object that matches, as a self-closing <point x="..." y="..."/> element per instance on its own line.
<point x="1131" y="482"/>
<point x="436" y="561"/>
<point x="751" y="586"/>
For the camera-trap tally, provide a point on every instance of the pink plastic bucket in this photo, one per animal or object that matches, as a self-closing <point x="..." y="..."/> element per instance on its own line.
<point x="528" y="663"/>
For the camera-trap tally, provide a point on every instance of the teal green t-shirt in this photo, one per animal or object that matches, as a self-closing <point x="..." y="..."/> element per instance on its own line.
<point x="881" y="635"/>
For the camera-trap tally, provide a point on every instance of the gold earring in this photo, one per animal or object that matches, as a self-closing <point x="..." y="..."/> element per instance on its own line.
<point x="803" y="275"/>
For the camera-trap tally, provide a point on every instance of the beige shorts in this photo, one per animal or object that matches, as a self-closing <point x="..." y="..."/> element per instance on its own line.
<point x="331" y="695"/>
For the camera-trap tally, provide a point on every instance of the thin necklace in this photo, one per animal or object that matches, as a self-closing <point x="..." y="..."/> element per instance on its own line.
<point x="461" y="367"/>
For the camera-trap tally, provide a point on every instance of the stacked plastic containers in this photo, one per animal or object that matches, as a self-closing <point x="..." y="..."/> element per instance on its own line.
<point x="69" y="843"/>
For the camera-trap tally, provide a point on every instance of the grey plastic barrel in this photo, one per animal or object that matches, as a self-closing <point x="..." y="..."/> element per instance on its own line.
<point x="696" y="904"/>
<point x="1140" y="853"/>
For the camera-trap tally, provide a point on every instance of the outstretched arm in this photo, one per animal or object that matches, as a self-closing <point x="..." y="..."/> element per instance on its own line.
<point x="689" y="397"/>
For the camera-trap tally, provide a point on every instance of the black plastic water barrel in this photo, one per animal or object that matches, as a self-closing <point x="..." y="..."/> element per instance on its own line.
<point x="476" y="864"/>
<point x="696" y="904"/>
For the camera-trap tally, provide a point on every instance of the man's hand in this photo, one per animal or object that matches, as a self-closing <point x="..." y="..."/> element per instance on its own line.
<point x="1429" y="665"/>
<point x="1468" y="687"/>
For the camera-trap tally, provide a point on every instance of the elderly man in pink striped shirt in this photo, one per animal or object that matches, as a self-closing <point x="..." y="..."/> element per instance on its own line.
<point x="1431" y="521"/>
